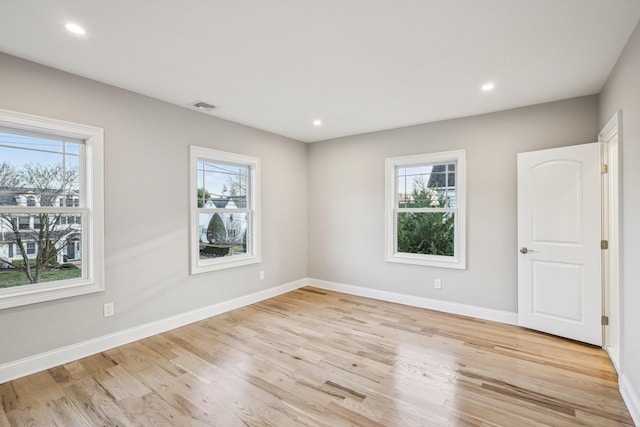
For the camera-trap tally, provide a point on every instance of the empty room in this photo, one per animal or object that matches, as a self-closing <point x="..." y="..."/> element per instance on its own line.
<point x="319" y="213"/>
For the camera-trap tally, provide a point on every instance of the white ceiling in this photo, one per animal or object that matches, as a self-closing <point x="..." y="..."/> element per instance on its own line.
<point x="358" y="65"/>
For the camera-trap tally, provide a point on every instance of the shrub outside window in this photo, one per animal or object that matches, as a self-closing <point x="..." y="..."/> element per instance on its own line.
<point x="225" y="210"/>
<point x="49" y="249"/>
<point x="425" y="209"/>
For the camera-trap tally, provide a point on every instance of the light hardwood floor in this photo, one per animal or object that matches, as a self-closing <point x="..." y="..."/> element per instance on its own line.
<point x="319" y="358"/>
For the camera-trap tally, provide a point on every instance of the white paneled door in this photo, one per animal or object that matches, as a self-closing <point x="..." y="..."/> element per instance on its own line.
<point x="559" y="280"/>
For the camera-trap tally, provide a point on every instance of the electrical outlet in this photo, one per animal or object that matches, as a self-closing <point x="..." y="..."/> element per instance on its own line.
<point x="109" y="309"/>
<point x="261" y="275"/>
<point x="438" y="284"/>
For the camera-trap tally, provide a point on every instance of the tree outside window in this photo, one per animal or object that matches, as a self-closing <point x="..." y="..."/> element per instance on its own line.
<point x="40" y="173"/>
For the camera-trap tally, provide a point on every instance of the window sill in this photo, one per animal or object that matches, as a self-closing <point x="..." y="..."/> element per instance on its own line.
<point x="427" y="260"/>
<point x="222" y="263"/>
<point x="41" y="292"/>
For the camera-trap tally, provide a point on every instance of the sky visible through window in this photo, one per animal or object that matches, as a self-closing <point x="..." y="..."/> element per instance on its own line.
<point x="20" y="150"/>
<point x="221" y="179"/>
<point x="408" y="174"/>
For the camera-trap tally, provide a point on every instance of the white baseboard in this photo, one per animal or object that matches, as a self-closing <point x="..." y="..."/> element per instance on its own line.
<point x="29" y="365"/>
<point x="614" y="356"/>
<point x="431" y="304"/>
<point x="630" y="398"/>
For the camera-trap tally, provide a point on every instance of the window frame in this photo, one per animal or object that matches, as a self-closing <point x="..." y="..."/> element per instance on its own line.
<point x="458" y="260"/>
<point x="253" y="256"/>
<point x="92" y="183"/>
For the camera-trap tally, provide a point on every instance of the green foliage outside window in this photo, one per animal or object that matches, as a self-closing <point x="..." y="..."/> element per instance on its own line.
<point x="203" y="196"/>
<point x="429" y="233"/>
<point x="216" y="232"/>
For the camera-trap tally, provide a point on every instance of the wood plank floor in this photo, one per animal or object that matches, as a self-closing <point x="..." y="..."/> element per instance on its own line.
<point x="319" y="358"/>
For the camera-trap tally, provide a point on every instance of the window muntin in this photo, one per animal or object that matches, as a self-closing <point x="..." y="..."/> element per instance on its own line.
<point x="43" y="163"/>
<point x="425" y="210"/>
<point x="225" y="210"/>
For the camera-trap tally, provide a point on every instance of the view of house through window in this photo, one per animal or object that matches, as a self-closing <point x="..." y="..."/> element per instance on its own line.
<point x="225" y="210"/>
<point x="41" y="216"/>
<point x="425" y="209"/>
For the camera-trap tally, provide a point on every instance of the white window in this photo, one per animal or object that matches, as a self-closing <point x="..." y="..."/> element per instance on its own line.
<point x="43" y="162"/>
<point x="225" y="210"/>
<point x="31" y="248"/>
<point x="425" y="209"/>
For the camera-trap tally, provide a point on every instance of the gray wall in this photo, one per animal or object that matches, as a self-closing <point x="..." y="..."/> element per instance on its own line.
<point x="622" y="92"/>
<point x="346" y="205"/>
<point x="146" y="217"/>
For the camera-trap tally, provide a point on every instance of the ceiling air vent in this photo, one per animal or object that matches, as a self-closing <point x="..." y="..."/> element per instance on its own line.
<point x="202" y="106"/>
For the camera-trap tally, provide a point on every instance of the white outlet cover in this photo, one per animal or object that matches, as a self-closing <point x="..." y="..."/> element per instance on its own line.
<point x="108" y="309"/>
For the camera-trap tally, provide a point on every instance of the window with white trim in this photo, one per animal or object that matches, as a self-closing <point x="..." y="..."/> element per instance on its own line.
<point x="49" y="248"/>
<point x="425" y="209"/>
<point x="225" y="210"/>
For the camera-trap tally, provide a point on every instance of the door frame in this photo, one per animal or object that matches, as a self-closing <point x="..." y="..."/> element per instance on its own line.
<point x="611" y="138"/>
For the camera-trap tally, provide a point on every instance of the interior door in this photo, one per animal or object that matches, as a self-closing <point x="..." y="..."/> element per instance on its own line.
<point x="559" y="280"/>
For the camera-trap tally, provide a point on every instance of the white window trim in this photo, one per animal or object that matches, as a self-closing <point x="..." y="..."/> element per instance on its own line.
<point x="458" y="261"/>
<point x="202" y="266"/>
<point x="92" y="181"/>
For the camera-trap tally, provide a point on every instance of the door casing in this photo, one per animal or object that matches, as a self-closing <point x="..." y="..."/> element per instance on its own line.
<point x="611" y="139"/>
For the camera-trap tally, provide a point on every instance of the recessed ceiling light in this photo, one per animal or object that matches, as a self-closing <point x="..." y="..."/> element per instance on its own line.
<point x="317" y="122"/>
<point x="75" y="29"/>
<point x="488" y="87"/>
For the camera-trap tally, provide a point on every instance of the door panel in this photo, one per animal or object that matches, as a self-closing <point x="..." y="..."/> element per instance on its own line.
<point x="559" y="282"/>
<point x="557" y="290"/>
<point x="557" y="204"/>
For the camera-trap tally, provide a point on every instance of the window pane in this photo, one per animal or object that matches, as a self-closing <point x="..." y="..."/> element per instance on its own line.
<point x="222" y="234"/>
<point x="72" y="148"/>
<point x="35" y="171"/>
<point x="426" y="186"/>
<point x="52" y="243"/>
<point x="24" y="223"/>
<point x="222" y="185"/>
<point x="429" y="233"/>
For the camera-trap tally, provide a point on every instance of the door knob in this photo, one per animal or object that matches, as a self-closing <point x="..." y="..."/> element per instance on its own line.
<point x="525" y="250"/>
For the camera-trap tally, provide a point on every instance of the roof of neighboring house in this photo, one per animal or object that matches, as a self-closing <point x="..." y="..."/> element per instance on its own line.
<point x="437" y="177"/>
<point x="9" y="236"/>
<point x="7" y="199"/>
<point x="222" y="202"/>
<point x="8" y="195"/>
